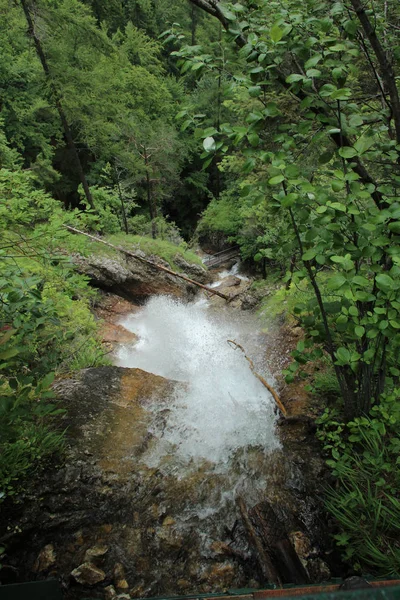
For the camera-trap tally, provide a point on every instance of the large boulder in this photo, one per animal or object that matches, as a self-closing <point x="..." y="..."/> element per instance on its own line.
<point x="134" y="279"/>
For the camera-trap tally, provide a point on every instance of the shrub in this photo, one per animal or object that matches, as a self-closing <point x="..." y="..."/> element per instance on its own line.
<point x="365" y="459"/>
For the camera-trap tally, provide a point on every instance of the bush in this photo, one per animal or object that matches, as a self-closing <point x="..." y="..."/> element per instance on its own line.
<point x="46" y="326"/>
<point x="365" y="459"/>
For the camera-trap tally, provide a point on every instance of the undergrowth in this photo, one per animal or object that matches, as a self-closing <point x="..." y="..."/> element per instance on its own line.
<point x="162" y="248"/>
<point x="365" y="500"/>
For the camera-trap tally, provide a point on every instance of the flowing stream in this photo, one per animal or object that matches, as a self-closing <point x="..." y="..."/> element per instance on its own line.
<point x="223" y="407"/>
<point x="222" y="419"/>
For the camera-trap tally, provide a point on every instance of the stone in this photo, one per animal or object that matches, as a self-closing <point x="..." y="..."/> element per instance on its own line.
<point x="195" y="272"/>
<point x="168" y="521"/>
<point x="220" y="576"/>
<point x="130" y="277"/>
<point x="119" y="577"/>
<point x="46" y="559"/>
<point x="88" y="574"/>
<point x="109" y="593"/>
<point x="355" y="583"/>
<point x="96" y="553"/>
<point x="249" y="301"/>
<point x="123" y="597"/>
<point x="220" y="548"/>
<point x="183" y="584"/>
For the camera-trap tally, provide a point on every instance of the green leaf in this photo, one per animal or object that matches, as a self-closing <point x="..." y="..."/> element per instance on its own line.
<point x="336" y="282"/>
<point x="309" y="254"/>
<point x="364" y="143"/>
<point x="276" y="180"/>
<point x="384" y="282"/>
<point x="294" y="77"/>
<point x="347" y="152"/>
<point x="359" y="331"/>
<point x="9" y="353"/>
<point x="343" y="355"/>
<point x="394" y="227"/>
<point x="314" y="60"/>
<point x="255" y="91"/>
<point x="254" y="139"/>
<point x="341" y="94"/>
<point x="276" y="33"/>
<point x="313" y="73"/>
<point x="209" y="144"/>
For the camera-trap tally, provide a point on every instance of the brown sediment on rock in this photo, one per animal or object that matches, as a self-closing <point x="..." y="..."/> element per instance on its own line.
<point x="129" y="419"/>
<point x="110" y="309"/>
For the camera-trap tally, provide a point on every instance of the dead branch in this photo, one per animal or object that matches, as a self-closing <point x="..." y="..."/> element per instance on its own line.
<point x="148" y="262"/>
<point x="267" y="567"/>
<point x="260" y="378"/>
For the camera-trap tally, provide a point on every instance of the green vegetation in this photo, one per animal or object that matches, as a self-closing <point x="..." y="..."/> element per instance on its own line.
<point x="158" y="247"/>
<point x="365" y="460"/>
<point x="46" y="326"/>
<point x="274" y="125"/>
<point x="310" y="154"/>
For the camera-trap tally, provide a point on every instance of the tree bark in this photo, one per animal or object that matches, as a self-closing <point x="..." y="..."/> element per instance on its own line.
<point x="386" y="68"/>
<point x="58" y="103"/>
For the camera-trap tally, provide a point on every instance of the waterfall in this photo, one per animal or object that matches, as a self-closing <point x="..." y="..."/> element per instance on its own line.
<point x="221" y="408"/>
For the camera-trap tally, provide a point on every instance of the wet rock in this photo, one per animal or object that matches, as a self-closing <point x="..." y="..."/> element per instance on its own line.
<point x="45" y="559"/>
<point x="220" y="576"/>
<point x="355" y="583"/>
<point x="193" y="271"/>
<point x="95" y="554"/>
<point x="111" y="333"/>
<point x="123" y="597"/>
<point x="249" y="302"/>
<point x="231" y="281"/>
<point x="119" y="577"/>
<point x="220" y="548"/>
<point x="88" y="574"/>
<point x="131" y="278"/>
<point x="139" y="590"/>
<point x="109" y="593"/>
<point x="183" y="585"/>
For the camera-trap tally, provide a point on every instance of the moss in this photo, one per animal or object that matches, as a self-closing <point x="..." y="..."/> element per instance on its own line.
<point x="165" y="250"/>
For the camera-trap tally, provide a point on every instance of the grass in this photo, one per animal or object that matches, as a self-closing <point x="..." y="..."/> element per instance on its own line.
<point x="165" y="250"/>
<point x="366" y="506"/>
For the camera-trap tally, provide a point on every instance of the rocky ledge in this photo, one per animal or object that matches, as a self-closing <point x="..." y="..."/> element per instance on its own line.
<point x="134" y="279"/>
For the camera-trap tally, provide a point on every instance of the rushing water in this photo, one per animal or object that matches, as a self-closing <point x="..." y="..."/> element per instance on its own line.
<point x="222" y="408"/>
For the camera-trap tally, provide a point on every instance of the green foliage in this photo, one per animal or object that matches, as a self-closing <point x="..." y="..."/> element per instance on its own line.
<point x="163" y="248"/>
<point x="46" y="326"/>
<point x="315" y="160"/>
<point x="365" y="460"/>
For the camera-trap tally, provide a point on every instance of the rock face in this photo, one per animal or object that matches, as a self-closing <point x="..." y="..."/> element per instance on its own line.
<point x="87" y="574"/>
<point x="85" y="506"/>
<point x="45" y="559"/>
<point x="133" y="279"/>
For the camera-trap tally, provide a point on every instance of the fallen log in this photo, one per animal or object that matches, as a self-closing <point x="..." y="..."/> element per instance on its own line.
<point x="273" y="536"/>
<point x="260" y="378"/>
<point x="268" y="569"/>
<point x="149" y="262"/>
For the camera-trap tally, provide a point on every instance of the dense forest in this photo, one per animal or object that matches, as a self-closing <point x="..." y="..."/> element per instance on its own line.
<point x="271" y="125"/>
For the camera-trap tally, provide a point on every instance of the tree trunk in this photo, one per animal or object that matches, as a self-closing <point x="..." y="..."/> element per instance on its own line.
<point x="386" y="68"/>
<point x="125" y="220"/>
<point x="57" y="101"/>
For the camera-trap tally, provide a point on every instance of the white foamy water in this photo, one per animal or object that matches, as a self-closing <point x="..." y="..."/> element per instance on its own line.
<point x="223" y="407"/>
<point x="233" y="271"/>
